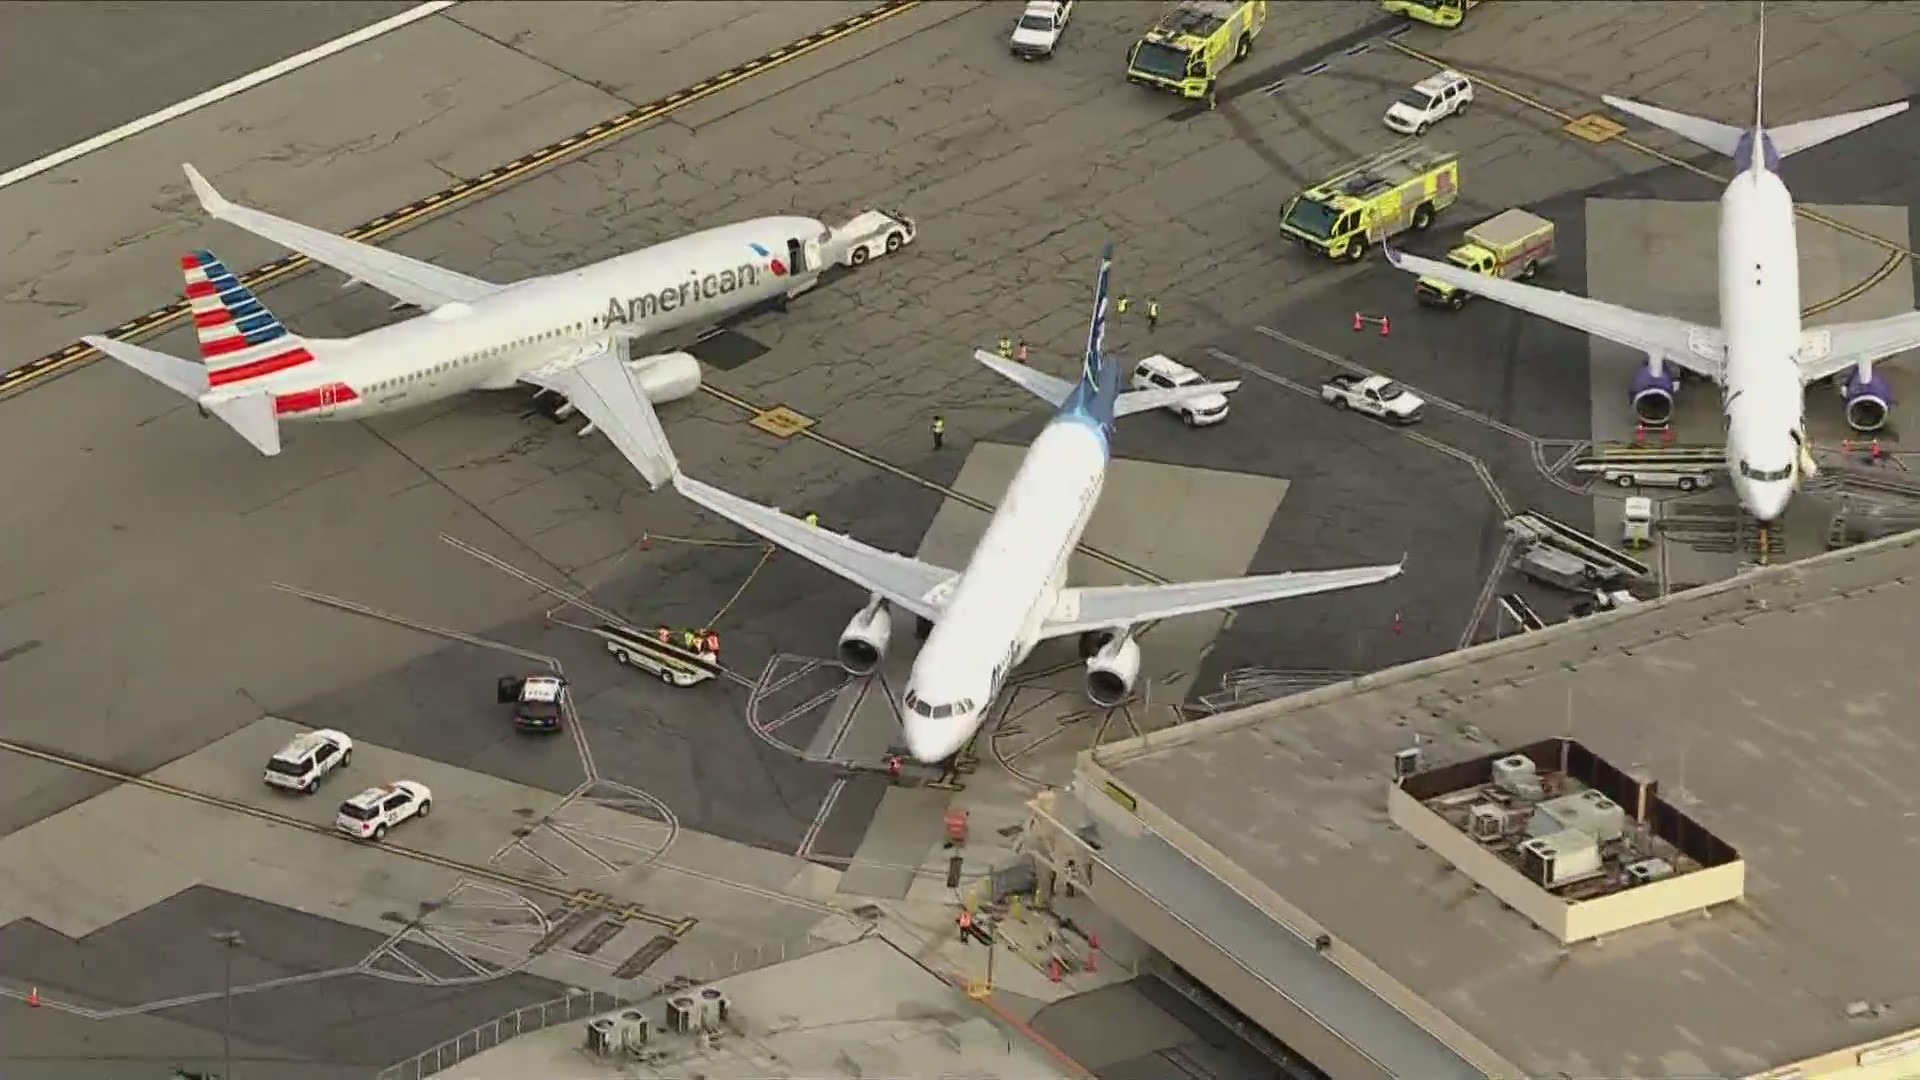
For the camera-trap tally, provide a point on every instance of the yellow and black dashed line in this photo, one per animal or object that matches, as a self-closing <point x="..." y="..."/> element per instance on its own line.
<point x="78" y="353"/>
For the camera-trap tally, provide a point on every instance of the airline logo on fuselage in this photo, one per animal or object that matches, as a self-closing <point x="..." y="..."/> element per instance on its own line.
<point x="635" y="309"/>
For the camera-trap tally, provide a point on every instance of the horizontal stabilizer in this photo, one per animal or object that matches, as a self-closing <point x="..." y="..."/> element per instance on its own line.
<point x="1794" y="138"/>
<point x="1038" y="383"/>
<point x="1711" y="134"/>
<point x="253" y="416"/>
<point x="1139" y="401"/>
<point x="183" y="377"/>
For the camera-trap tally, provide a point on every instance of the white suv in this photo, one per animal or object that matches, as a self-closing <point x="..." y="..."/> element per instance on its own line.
<point x="1165" y="373"/>
<point x="307" y="759"/>
<point x="1430" y="101"/>
<point x="371" y="813"/>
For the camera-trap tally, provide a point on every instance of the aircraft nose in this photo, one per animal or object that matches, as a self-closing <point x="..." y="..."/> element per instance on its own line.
<point x="1768" y="501"/>
<point x="931" y="741"/>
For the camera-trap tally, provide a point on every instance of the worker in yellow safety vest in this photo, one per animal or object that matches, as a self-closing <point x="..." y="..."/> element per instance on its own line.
<point x="1153" y="314"/>
<point x="1120" y="308"/>
<point x="690" y="641"/>
<point x="1006" y="348"/>
<point x="813" y="519"/>
<point x="939" y="431"/>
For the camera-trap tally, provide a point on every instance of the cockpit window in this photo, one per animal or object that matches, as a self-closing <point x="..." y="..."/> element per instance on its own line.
<point x="1766" y="475"/>
<point x="919" y="707"/>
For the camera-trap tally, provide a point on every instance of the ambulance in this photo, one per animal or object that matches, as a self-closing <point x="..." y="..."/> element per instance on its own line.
<point x="1366" y="204"/>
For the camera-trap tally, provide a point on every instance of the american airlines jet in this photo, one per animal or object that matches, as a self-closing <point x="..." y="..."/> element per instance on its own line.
<point x="1760" y="355"/>
<point x="474" y="335"/>
<point x="982" y="621"/>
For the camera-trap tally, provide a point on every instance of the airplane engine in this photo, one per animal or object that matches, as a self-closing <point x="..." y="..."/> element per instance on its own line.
<point x="667" y="376"/>
<point x="863" y="644"/>
<point x="1653" y="396"/>
<point x="1869" y="402"/>
<point x="1112" y="672"/>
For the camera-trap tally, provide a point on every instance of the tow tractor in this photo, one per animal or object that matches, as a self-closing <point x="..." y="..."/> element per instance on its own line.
<point x="1511" y="244"/>
<point x="1373" y="201"/>
<point x="670" y="663"/>
<point x="537" y="700"/>
<point x="871" y="234"/>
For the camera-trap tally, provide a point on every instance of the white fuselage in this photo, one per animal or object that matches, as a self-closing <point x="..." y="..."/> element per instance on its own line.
<point x="689" y="282"/>
<point x="1760" y="319"/>
<point x="992" y="619"/>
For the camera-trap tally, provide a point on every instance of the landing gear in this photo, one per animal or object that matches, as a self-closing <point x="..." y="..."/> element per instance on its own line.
<point x="1093" y="641"/>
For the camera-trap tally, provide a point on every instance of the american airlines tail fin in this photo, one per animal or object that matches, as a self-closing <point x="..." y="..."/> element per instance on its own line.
<point x="253" y="413"/>
<point x="1757" y="148"/>
<point x="240" y="339"/>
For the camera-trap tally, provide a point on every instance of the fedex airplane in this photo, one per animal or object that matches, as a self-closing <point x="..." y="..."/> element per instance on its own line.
<point x="474" y="335"/>
<point x="982" y="621"/>
<point x="1760" y="354"/>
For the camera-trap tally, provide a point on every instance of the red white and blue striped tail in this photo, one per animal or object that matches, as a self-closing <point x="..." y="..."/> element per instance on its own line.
<point x="239" y="338"/>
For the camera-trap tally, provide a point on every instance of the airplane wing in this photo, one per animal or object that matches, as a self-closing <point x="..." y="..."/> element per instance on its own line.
<point x="1047" y="388"/>
<point x="920" y="587"/>
<point x="1829" y="350"/>
<point x="1139" y="401"/>
<point x="1114" y="607"/>
<point x="595" y="380"/>
<point x="1055" y="391"/>
<point x="1690" y="345"/>
<point x="405" y="279"/>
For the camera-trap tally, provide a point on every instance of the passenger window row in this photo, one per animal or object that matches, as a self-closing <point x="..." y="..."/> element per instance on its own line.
<point x="486" y="354"/>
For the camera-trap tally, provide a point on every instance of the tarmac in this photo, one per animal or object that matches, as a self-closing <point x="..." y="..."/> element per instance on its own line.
<point x="917" y="112"/>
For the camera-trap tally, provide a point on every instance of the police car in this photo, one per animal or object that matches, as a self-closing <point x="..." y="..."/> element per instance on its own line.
<point x="307" y="759"/>
<point x="1165" y="373"/>
<point x="538" y="701"/>
<point x="872" y="234"/>
<point x="371" y="813"/>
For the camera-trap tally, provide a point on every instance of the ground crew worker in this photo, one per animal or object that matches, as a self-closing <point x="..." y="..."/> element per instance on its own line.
<point x="1213" y="95"/>
<point x="690" y="641"/>
<point x="1121" y="307"/>
<point x="966" y="925"/>
<point x="1153" y="314"/>
<point x="939" y="431"/>
<point x="712" y="641"/>
<point x="665" y="635"/>
<point x="813" y="519"/>
<point x="1006" y="348"/>
<point x="1022" y="354"/>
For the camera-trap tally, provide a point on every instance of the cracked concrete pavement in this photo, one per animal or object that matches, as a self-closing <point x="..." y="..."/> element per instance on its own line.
<point x="145" y="538"/>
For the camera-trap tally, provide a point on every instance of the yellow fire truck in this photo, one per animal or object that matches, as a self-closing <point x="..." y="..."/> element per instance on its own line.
<point x="1443" y="13"/>
<point x="1192" y="42"/>
<point x="1373" y="201"/>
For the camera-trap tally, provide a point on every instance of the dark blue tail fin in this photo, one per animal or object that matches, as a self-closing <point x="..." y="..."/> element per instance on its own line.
<point x="1091" y="363"/>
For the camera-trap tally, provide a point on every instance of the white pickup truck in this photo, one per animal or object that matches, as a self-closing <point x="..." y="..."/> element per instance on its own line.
<point x="1039" y="28"/>
<point x="1375" y="395"/>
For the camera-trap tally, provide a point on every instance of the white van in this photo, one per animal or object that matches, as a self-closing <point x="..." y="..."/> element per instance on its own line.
<point x="307" y="759"/>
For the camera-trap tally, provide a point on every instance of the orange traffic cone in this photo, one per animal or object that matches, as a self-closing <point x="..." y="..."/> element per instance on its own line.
<point x="33" y="997"/>
<point x="646" y="541"/>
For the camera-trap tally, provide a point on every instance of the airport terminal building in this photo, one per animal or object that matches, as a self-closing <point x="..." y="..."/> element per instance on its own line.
<point x="1677" y="840"/>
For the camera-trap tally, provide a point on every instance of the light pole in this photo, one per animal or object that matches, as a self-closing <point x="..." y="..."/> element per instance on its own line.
<point x="232" y="940"/>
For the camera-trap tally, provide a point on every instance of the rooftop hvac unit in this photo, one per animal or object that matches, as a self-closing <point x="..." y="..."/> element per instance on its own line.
<point x="1486" y="822"/>
<point x="1560" y="859"/>
<point x="683" y="1015"/>
<point x="1589" y="811"/>
<point x="1516" y="774"/>
<point x="1647" y="871"/>
<point x="1406" y="762"/>
<point x="603" y="1036"/>
<point x="714" y="1007"/>
<point x="636" y="1030"/>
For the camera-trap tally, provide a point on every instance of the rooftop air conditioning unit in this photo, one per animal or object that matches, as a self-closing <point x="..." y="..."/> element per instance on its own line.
<point x="636" y="1030"/>
<point x="1647" y="871"/>
<point x="1589" y="811"/>
<point x="1516" y="774"/>
<point x="714" y="1007"/>
<point x="1560" y="859"/>
<point x="683" y="1015"/>
<point x="1486" y="822"/>
<point x="602" y="1036"/>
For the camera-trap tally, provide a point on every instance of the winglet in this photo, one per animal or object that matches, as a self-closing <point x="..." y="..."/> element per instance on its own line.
<point x="210" y="200"/>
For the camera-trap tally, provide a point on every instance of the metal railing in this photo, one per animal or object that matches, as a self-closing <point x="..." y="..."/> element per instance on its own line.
<point x="584" y="1004"/>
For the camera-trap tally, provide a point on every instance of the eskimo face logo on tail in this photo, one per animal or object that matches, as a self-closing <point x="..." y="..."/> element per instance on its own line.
<point x="779" y="268"/>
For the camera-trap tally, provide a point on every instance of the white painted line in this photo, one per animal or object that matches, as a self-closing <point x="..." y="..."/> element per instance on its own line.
<point x="220" y="93"/>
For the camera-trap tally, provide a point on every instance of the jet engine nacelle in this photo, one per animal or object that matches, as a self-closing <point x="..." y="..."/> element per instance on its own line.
<point x="1869" y="401"/>
<point x="863" y="644"/>
<point x="1112" y="672"/>
<point x="666" y="376"/>
<point x="1653" y="396"/>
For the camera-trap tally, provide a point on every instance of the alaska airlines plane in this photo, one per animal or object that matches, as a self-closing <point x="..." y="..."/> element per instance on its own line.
<point x="1760" y="355"/>
<point x="475" y="334"/>
<point x="981" y="622"/>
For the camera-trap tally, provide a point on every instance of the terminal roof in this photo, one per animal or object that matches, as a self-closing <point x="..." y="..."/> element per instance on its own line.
<point x="1779" y="709"/>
